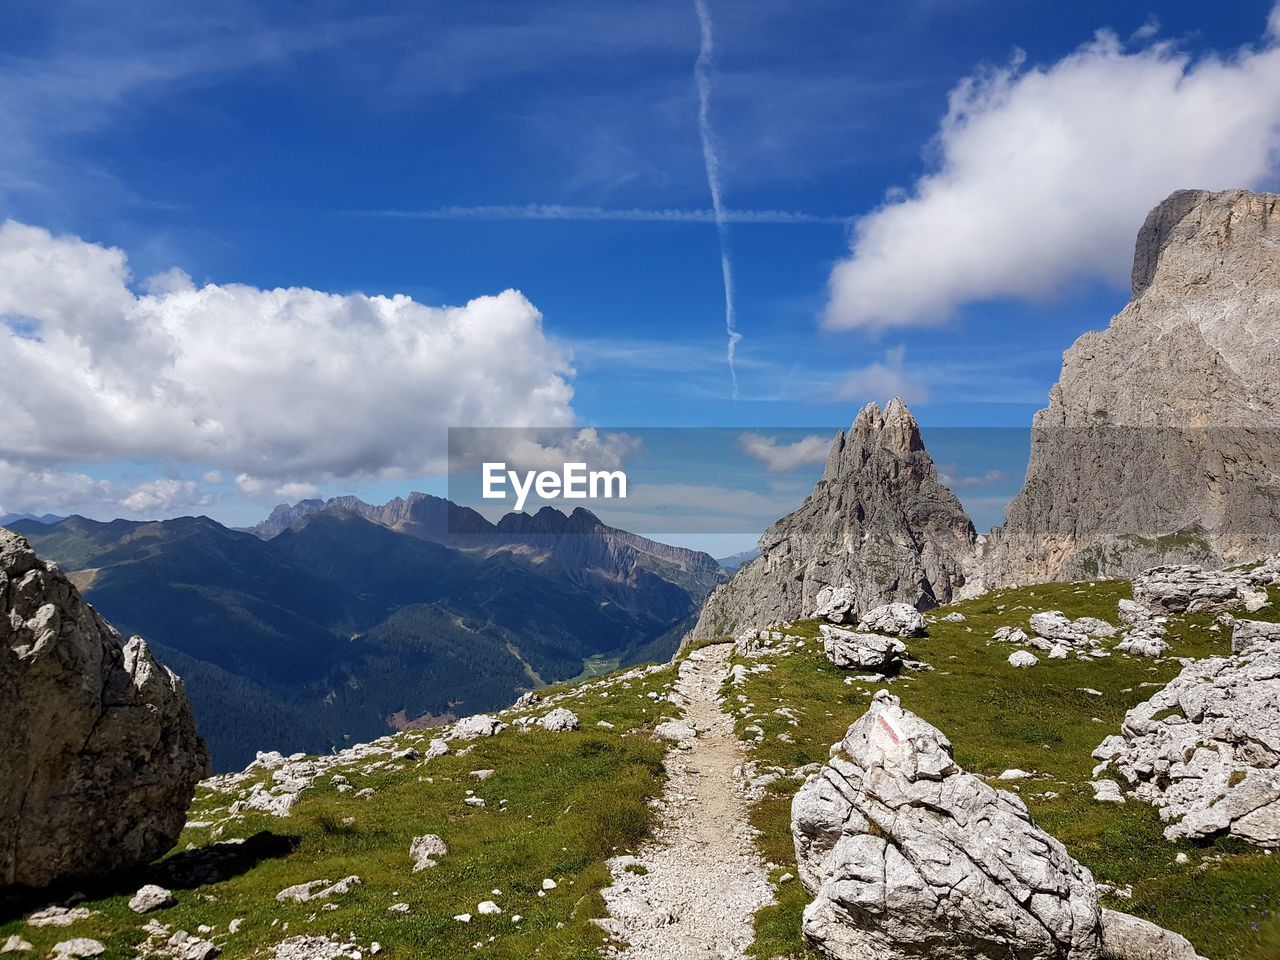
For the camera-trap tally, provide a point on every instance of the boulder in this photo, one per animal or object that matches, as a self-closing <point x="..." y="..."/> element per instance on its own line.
<point x="426" y="851"/>
<point x="559" y="720"/>
<point x="99" y="756"/>
<point x="476" y="727"/>
<point x="855" y="650"/>
<point x="1246" y="634"/>
<point x="1024" y="660"/>
<point x="1205" y="749"/>
<point x="908" y="857"/>
<point x="151" y="897"/>
<point x="894" y="620"/>
<point x="837" y="604"/>
<point x="1054" y="625"/>
<point x="1187" y="588"/>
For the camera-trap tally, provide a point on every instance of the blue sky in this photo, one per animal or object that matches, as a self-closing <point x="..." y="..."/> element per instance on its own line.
<point x="400" y="150"/>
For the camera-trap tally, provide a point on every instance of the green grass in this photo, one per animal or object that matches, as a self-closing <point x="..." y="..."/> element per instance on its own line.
<point x="574" y="800"/>
<point x="1038" y="720"/>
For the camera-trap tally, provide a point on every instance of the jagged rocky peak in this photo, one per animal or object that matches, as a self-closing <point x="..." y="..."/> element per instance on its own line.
<point x="878" y="523"/>
<point x="1161" y="439"/>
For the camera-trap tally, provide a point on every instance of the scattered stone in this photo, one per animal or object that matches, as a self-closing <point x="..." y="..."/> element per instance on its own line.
<point x="548" y="884"/>
<point x="676" y="731"/>
<point x="151" y="897"/>
<point x="15" y="944"/>
<point x="425" y="851"/>
<point x="1014" y="774"/>
<point x="857" y="650"/>
<point x="317" y="890"/>
<point x="488" y="908"/>
<point x="58" y="916"/>
<point x="316" y="948"/>
<point x="955" y="617"/>
<point x="79" y="947"/>
<point x="1107" y="791"/>
<point x="1205" y="749"/>
<point x="1022" y="660"/>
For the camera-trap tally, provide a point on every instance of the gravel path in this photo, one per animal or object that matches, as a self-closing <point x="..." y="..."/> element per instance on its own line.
<point x="705" y="878"/>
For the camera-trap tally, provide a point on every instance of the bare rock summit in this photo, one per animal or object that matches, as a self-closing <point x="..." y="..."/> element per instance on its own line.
<point x="878" y="528"/>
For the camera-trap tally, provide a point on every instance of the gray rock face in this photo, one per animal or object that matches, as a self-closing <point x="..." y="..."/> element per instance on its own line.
<point x="910" y="858"/>
<point x="1205" y="750"/>
<point x="1162" y="436"/>
<point x="99" y="756"/>
<point x="858" y="650"/>
<point x="878" y="523"/>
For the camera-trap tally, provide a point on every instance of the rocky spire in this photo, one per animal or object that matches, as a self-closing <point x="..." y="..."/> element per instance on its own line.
<point x="878" y="522"/>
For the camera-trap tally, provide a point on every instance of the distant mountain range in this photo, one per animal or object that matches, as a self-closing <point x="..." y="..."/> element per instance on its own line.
<point x="8" y="518"/>
<point x="338" y="621"/>
<point x="732" y="563"/>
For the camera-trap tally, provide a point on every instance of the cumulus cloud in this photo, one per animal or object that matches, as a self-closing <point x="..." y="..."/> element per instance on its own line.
<point x="951" y="475"/>
<point x="279" y="388"/>
<point x="884" y="379"/>
<point x="27" y="489"/>
<point x="1044" y="173"/>
<point x="782" y="457"/>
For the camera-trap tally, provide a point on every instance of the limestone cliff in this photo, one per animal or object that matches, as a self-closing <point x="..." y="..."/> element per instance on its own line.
<point x="878" y="522"/>
<point x="1161" y="439"/>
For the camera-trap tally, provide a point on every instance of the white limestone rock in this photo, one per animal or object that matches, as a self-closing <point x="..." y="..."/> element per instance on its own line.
<point x="99" y="755"/>
<point x="856" y="650"/>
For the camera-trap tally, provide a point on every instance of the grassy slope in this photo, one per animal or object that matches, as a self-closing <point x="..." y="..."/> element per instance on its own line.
<point x="574" y="799"/>
<point x="1037" y="720"/>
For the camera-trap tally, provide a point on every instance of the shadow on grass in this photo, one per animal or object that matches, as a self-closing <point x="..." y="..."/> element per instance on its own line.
<point x="183" y="870"/>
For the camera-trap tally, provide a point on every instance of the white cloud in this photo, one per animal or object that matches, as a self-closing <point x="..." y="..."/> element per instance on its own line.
<point x="950" y="475"/>
<point x="275" y="387"/>
<point x="27" y="489"/>
<point x="779" y="458"/>
<point x="1044" y="174"/>
<point x="268" y="491"/>
<point x="884" y="380"/>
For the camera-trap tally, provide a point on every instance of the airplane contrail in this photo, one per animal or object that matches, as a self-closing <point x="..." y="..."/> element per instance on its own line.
<point x="702" y="77"/>
<point x="559" y="211"/>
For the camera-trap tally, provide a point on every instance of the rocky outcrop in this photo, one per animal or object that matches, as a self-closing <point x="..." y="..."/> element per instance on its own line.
<point x="878" y="527"/>
<point x="99" y="756"/>
<point x="908" y="856"/>
<point x="1205" y="750"/>
<point x="1186" y="588"/>
<point x="1161" y="439"/>
<point x="859" y="650"/>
